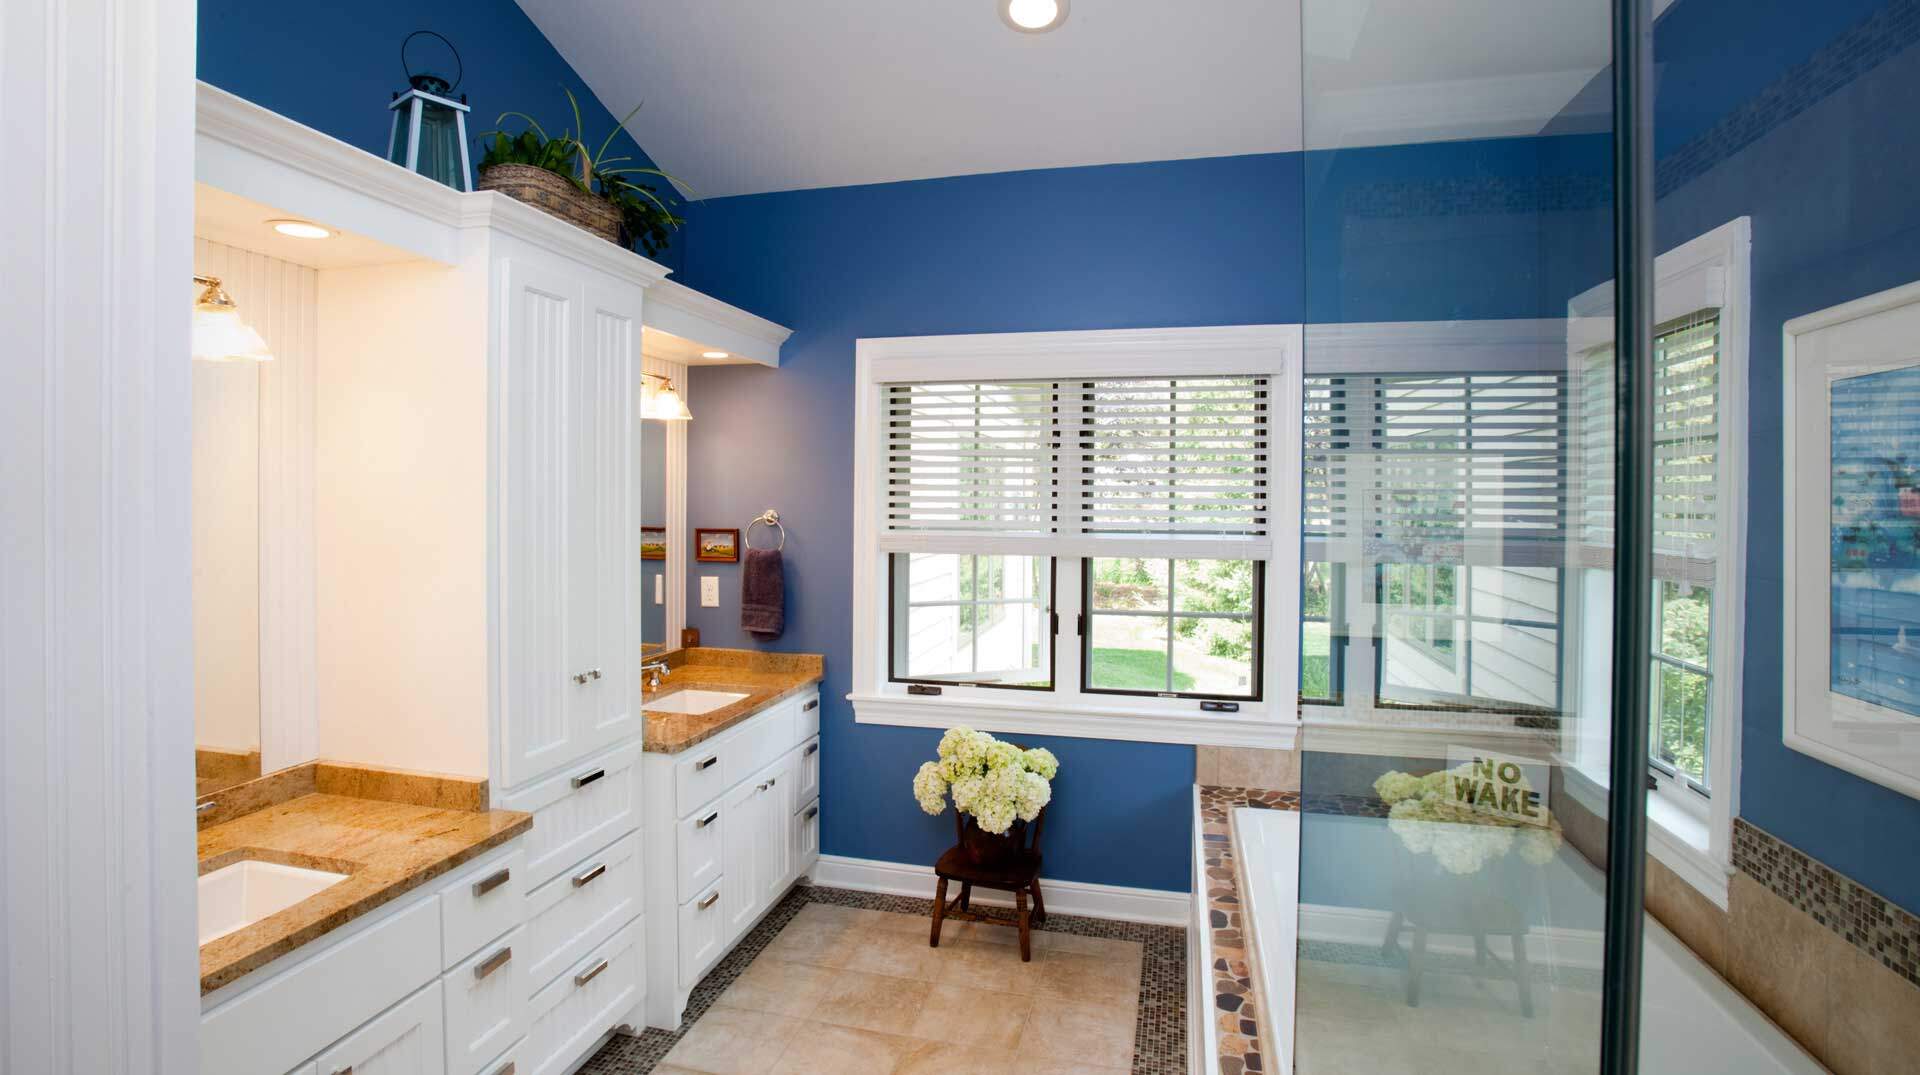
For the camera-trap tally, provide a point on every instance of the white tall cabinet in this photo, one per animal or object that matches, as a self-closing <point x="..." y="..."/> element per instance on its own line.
<point x="475" y="412"/>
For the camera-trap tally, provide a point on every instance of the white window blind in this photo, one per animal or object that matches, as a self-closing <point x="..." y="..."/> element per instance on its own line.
<point x="1162" y="466"/>
<point x="1686" y="446"/>
<point x="1437" y="468"/>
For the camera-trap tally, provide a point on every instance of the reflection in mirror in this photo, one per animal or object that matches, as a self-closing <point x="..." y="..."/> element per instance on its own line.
<point x="226" y="573"/>
<point x="653" y="538"/>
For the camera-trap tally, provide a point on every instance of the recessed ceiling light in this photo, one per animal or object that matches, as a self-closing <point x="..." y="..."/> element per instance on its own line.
<point x="713" y="354"/>
<point x="299" y="229"/>
<point x="1033" y="16"/>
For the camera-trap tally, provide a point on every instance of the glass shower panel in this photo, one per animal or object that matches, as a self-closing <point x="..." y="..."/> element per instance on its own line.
<point x="1457" y="595"/>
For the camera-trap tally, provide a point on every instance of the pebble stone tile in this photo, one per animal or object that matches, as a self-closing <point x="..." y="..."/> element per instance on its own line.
<point x="1236" y="1021"/>
<point x="1160" y="1023"/>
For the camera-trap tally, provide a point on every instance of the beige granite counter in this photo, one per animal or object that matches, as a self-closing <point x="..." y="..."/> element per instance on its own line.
<point x="765" y="678"/>
<point x="386" y="848"/>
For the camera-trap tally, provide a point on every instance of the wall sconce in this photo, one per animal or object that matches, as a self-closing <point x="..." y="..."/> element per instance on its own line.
<point x="663" y="404"/>
<point x="218" y="333"/>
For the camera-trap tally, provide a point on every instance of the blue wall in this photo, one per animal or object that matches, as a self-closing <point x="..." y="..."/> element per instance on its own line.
<point x="334" y="66"/>
<point x="1821" y="151"/>
<point x="1183" y="243"/>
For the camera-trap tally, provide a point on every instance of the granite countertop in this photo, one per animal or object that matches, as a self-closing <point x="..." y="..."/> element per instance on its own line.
<point x="386" y="849"/>
<point x="765" y="678"/>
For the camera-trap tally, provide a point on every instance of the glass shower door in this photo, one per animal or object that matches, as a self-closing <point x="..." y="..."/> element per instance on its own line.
<point x="1457" y="588"/>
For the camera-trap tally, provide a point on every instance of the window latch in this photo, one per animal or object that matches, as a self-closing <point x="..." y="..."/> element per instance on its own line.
<point x="922" y="689"/>
<point x="1219" y="707"/>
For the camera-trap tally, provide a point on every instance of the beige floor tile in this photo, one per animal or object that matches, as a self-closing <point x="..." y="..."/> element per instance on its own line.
<point x="944" y="1058"/>
<point x="998" y="967"/>
<point x="871" y="1002"/>
<point x="1090" y="979"/>
<point x="828" y="914"/>
<point x="973" y="1017"/>
<point x="1104" y="947"/>
<point x="778" y="987"/>
<point x="675" y="1069"/>
<point x="733" y="1041"/>
<point x="889" y="922"/>
<point x="901" y="955"/>
<point x="821" y="942"/>
<point x="1041" y="1065"/>
<point x="1097" y="1034"/>
<point x="821" y="1048"/>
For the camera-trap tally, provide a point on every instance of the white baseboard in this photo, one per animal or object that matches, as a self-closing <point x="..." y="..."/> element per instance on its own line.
<point x="1148" y="905"/>
<point x="1352" y="925"/>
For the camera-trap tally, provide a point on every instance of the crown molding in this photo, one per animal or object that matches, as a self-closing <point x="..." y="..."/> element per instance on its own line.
<point x="675" y="308"/>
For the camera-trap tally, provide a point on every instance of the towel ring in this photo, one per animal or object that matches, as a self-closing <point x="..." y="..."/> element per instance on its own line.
<point x="771" y="518"/>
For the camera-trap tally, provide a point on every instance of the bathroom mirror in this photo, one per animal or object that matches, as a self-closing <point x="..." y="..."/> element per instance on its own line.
<point x="226" y="573"/>
<point x="663" y="494"/>
<point x="655" y="559"/>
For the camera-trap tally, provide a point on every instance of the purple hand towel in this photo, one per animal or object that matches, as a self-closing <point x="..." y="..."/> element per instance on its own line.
<point x="763" y="594"/>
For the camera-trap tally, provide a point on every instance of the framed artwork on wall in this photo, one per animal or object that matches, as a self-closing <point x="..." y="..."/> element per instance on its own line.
<point x="1851" y="512"/>
<point x="715" y="546"/>
<point x="653" y="543"/>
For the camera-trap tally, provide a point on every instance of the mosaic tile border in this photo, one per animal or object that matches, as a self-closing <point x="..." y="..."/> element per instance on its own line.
<point x="1862" y="917"/>
<point x="1236" y="1019"/>
<point x="1160" y="1025"/>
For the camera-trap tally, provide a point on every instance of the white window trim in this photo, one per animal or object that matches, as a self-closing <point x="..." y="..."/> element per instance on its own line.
<point x="1711" y="270"/>
<point x="1273" y="351"/>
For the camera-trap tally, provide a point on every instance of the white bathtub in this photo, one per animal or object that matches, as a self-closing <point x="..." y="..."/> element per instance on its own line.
<point x="1692" y="1022"/>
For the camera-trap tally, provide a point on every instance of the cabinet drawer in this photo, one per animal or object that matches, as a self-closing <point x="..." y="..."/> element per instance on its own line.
<point x="587" y="806"/>
<point x="405" y="1041"/>
<point x="580" y="909"/>
<point x="703" y="929"/>
<point x="588" y="998"/>
<point x="486" y="1003"/>
<point x="807" y="781"/>
<point x="481" y="903"/>
<point x="806" y="837"/>
<point x="507" y="1063"/>
<point x="702" y="774"/>
<point x="301" y="1010"/>
<point x="699" y="841"/>
<point x="807" y="716"/>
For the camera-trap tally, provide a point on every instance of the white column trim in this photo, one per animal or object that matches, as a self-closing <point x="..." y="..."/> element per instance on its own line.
<point x="97" y="944"/>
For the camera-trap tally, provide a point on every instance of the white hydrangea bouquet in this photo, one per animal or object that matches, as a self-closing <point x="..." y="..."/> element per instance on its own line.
<point x="1431" y="820"/>
<point x="993" y="782"/>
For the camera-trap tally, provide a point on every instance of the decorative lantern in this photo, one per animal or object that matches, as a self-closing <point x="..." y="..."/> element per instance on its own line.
<point x="429" y="131"/>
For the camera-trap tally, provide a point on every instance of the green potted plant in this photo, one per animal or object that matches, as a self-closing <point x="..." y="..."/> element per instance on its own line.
<point x="588" y="189"/>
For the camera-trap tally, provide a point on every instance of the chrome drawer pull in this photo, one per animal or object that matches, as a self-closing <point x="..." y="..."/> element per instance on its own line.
<point x="494" y="962"/>
<point x="812" y="812"/>
<point x="590" y="974"/>
<point x="593" y="673"/>
<point x="582" y="879"/>
<point x="812" y="749"/>
<point x="708" y="820"/>
<point x="348" y="1070"/>
<point x="706" y="763"/>
<point x="504" y="1069"/>
<point x="492" y="881"/>
<point x="587" y="778"/>
<point x="772" y="780"/>
<point x="764" y="786"/>
<point x="579" y="678"/>
<point x="810" y="706"/>
<point x="710" y="900"/>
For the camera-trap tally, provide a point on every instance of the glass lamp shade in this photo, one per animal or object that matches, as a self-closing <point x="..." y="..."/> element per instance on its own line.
<point x="220" y="336"/>
<point x="663" y="404"/>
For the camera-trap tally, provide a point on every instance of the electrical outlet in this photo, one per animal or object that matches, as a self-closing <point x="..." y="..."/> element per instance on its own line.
<point x="709" y="591"/>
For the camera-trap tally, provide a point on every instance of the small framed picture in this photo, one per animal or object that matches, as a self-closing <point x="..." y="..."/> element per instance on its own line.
<point x="716" y="546"/>
<point x="653" y="543"/>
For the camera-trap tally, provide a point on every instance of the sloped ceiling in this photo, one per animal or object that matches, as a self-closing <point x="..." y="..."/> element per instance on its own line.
<point x="748" y="96"/>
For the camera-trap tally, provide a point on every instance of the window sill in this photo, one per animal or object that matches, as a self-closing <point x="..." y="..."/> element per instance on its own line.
<point x="1678" y="840"/>
<point x="1135" y="725"/>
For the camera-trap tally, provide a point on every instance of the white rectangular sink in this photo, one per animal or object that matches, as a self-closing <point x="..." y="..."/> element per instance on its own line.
<point x="691" y="701"/>
<point x="234" y="897"/>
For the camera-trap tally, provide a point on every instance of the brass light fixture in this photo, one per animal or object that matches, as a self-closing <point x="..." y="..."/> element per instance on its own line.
<point x="663" y="404"/>
<point x="218" y="333"/>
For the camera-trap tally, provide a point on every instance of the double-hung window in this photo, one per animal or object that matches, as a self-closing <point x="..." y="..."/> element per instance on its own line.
<point x="1080" y="533"/>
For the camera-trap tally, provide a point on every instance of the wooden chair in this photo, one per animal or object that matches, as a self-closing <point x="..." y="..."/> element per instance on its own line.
<point x="1019" y="874"/>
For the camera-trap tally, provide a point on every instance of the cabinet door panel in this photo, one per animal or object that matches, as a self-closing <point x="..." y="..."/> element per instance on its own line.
<point x="407" y="1040"/>
<point x="739" y="884"/>
<point x="606" y="577"/>
<point x="540" y="335"/>
<point x="774" y="825"/>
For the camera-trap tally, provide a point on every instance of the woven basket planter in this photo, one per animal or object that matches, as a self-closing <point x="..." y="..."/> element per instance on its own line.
<point x="556" y="196"/>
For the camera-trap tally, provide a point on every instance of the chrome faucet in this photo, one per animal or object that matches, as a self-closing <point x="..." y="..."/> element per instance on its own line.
<point x="659" y="672"/>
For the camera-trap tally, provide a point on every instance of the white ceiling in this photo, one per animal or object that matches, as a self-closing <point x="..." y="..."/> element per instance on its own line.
<point x="748" y="96"/>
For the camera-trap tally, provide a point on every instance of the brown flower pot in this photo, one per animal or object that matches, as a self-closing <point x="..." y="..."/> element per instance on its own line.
<point x="987" y="849"/>
<point x="554" y="195"/>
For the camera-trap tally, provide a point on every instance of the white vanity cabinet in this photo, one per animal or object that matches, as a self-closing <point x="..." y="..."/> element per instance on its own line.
<point x="731" y="823"/>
